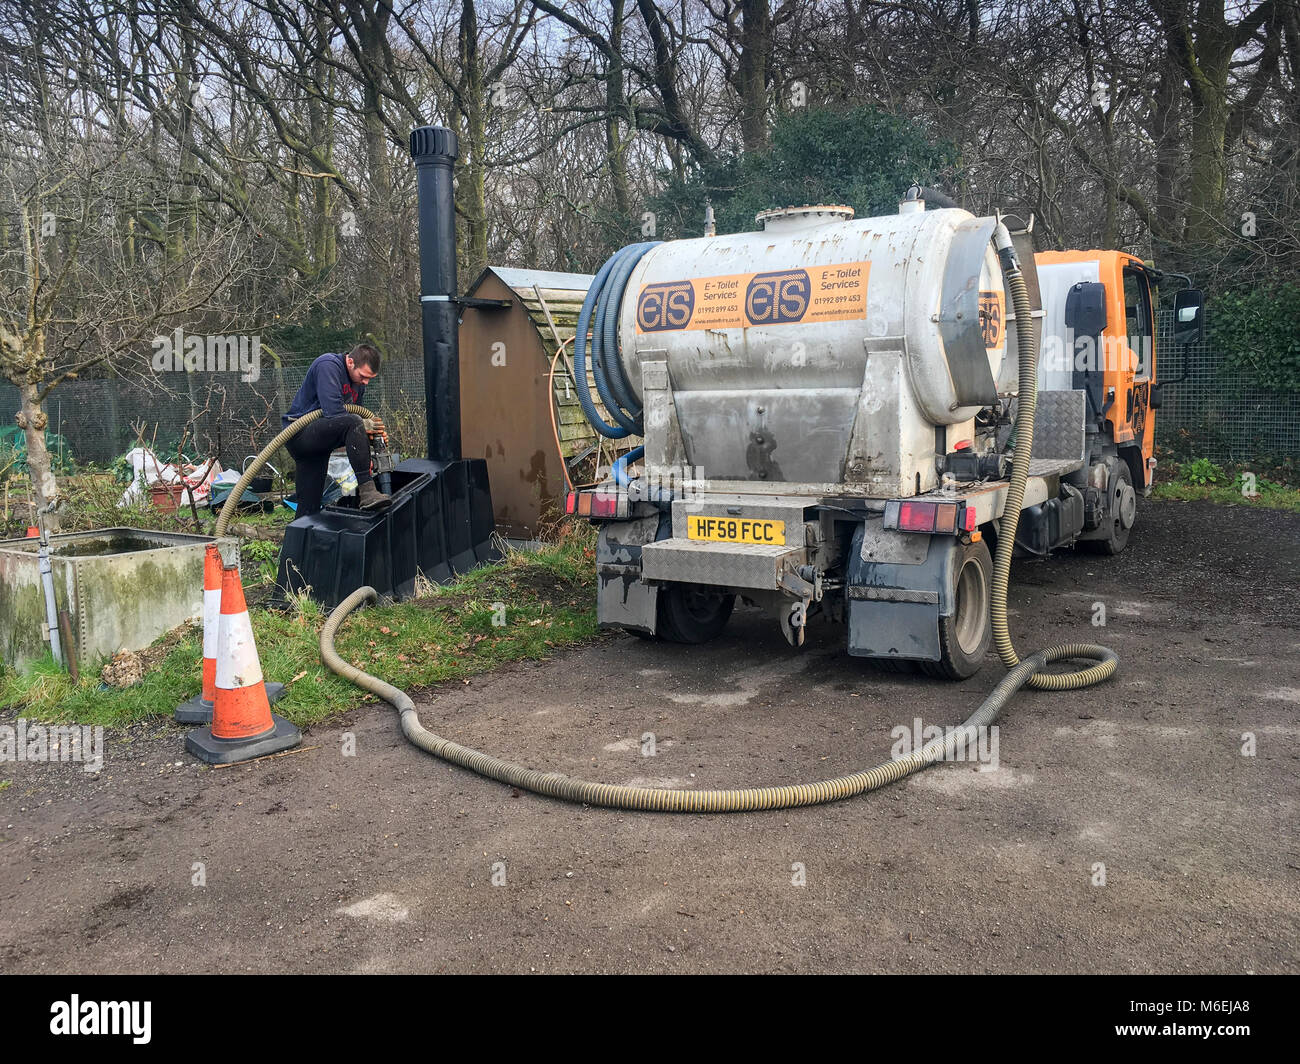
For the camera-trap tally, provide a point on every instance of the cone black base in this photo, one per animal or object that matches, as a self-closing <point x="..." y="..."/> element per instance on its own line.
<point x="197" y="711"/>
<point x="207" y="747"/>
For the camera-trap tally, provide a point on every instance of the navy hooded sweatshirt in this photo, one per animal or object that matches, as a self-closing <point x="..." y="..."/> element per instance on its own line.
<point x="326" y="387"/>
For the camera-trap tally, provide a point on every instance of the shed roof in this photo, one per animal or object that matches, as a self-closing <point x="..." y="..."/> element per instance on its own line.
<point x="526" y="279"/>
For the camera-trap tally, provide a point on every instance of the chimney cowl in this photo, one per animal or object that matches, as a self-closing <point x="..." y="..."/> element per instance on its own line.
<point x="431" y="142"/>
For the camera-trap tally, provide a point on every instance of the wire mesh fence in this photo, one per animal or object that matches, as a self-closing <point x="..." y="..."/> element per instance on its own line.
<point x="1215" y="412"/>
<point x="216" y="413"/>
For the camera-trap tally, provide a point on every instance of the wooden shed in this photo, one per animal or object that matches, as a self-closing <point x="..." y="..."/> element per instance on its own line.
<point x="509" y="339"/>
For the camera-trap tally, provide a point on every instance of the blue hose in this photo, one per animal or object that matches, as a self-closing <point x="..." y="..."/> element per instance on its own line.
<point x="599" y="316"/>
<point x="620" y="467"/>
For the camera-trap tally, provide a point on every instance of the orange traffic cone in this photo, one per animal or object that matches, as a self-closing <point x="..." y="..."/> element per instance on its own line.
<point x="243" y="726"/>
<point x="198" y="710"/>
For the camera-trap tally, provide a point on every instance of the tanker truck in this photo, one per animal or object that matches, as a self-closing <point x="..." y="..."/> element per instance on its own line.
<point x="830" y="408"/>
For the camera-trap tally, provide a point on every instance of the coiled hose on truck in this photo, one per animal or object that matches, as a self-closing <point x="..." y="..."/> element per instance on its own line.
<point x="1028" y="672"/>
<point x="599" y="314"/>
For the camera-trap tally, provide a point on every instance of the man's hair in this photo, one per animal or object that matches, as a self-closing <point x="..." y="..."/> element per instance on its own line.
<point x="365" y="355"/>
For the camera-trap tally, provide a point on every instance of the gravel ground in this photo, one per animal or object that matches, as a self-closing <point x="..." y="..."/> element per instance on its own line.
<point x="390" y="861"/>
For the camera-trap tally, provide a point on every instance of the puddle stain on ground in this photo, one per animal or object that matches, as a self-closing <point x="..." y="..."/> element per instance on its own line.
<point x="382" y="908"/>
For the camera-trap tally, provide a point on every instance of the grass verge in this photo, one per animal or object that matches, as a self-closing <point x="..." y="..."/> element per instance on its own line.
<point x="1177" y="491"/>
<point x="1202" y="480"/>
<point x="525" y="607"/>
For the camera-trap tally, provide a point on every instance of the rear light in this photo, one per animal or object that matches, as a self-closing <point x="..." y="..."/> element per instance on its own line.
<point x="596" y="504"/>
<point x="917" y="516"/>
<point x="946" y="518"/>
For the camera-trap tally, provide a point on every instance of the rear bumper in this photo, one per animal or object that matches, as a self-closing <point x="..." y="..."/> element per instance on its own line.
<point x="731" y="565"/>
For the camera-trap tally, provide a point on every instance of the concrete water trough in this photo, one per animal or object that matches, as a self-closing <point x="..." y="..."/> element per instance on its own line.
<point x="122" y="587"/>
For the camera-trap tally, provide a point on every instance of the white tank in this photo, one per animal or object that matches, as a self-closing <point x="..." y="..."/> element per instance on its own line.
<point x="822" y="351"/>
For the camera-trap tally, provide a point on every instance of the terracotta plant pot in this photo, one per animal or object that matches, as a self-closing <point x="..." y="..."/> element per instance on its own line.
<point x="166" y="497"/>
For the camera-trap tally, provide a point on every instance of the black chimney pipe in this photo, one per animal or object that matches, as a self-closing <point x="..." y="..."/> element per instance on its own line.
<point x="434" y="149"/>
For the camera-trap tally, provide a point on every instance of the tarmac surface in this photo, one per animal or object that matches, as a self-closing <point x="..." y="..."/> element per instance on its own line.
<point x="1148" y="825"/>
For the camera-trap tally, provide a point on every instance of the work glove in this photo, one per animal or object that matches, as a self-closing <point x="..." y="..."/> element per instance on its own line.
<point x="374" y="426"/>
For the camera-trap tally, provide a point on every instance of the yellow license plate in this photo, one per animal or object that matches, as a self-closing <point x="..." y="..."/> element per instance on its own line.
<point x="735" y="530"/>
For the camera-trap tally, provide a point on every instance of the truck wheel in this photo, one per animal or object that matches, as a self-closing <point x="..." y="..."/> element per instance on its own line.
<point x="964" y="637"/>
<point x="897" y="665"/>
<point x="689" y="613"/>
<point x="1121" y="513"/>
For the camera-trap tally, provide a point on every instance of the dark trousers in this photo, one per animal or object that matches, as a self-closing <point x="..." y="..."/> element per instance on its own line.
<point x="311" y="452"/>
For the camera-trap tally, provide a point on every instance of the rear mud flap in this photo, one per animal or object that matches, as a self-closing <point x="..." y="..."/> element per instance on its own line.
<point x="900" y="584"/>
<point x="623" y="600"/>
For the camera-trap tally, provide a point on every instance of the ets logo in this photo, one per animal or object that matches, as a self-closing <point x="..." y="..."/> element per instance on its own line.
<point x="777" y="298"/>
<point x="992" y="318"/>
<point x="665" y="306"/>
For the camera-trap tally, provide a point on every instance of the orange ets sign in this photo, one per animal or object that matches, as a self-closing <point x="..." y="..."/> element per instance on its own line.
<point x="739" y="300"/>
<point x="993" y="318"/>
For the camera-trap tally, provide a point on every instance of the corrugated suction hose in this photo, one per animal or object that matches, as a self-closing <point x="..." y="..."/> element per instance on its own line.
<point x="1022" y="673"/>
<point x="649" y="799"/>
<point x="1026" y="403"/>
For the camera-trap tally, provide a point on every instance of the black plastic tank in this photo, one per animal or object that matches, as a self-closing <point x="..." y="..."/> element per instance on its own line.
<point x="439" y="524"/>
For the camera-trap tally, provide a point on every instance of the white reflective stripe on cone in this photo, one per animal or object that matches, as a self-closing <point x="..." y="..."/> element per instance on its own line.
<point x="211" y="621"/>
<point x="237" y="664"/>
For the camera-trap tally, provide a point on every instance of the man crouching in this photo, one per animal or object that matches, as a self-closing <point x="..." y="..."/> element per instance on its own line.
<point x="331" y="381"/>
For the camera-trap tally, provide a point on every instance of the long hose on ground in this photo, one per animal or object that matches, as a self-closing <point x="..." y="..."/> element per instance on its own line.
<point x="264" y="455"/>
<point x="649" y="799"/>
<point x="1022" y="673"/>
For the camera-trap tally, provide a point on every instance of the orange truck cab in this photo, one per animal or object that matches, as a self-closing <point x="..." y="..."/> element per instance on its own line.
<point x="1099" y="338"/>
<point x="1099" y="334"/>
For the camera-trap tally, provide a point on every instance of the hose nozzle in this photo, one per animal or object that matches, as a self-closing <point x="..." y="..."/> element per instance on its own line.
<point x="1005" y="248"/>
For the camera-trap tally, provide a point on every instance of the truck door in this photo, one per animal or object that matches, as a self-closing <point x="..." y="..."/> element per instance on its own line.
<point x="1133" y="396"/>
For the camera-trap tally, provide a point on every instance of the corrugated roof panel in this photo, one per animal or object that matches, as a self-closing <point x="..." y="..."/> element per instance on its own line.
<point x="522" y="281"/>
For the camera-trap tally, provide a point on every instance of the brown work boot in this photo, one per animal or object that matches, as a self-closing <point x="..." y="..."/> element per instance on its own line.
<point x="370" y="497"/>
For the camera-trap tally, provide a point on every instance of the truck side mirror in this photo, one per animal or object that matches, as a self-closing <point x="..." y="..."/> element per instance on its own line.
<point x="1189" y="316"/>
<point x="1085" y="308"/>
